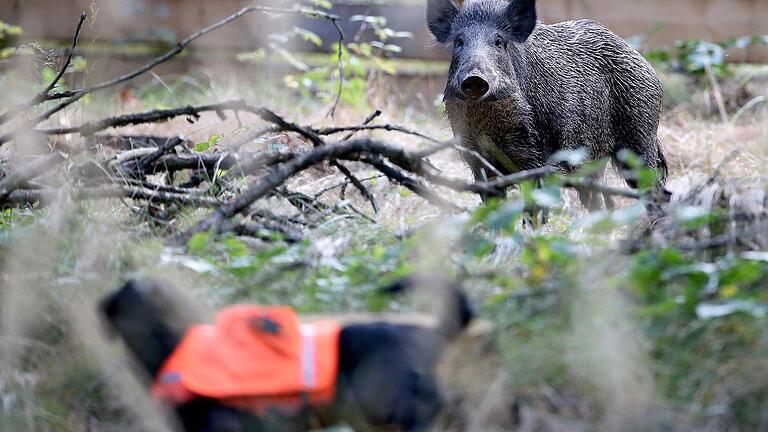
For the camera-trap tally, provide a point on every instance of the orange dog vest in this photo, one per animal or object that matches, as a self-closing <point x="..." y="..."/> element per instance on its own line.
<point x="256" y="358"/>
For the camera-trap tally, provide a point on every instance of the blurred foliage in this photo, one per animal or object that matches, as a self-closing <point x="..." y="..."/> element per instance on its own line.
<point x="7" y="30"/>
<point x="355" y="62"/>
<point x="694" y="56"/>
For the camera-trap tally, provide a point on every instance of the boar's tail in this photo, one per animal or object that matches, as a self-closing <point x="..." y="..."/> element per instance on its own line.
<point x="454" y="314"/>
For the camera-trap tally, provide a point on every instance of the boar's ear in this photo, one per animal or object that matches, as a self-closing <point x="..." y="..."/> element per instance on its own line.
<point x="521" y="19"/>
<point x="440" y="16"/>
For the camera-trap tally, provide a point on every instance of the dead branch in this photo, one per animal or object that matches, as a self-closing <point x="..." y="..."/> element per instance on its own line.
<point x="351" y="177"/>
<point x="30" y="197"/>
<point x="385" y="127"/>
<point x="43" y="95"/>
<point x="367" y="120"/>
<point x="414" y="185"/>
<point x="127" y="142"/>
<point x="282" y="172"/>
<point x="140" y="165"/>
<point x="153" y="116"/>
<point x="21" y="176"/>
<point x="358" y="184"/>
<point x="75" y="95"/>
<point x="335" y="22"/>
<point x="343" y="184"/>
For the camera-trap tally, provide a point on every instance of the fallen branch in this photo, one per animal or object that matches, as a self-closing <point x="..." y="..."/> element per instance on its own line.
<point x="385" y="127"/>
<point x="21" y="176"/>
<point x="127" y="142"/>
<point x="414" y="185"/>
<point x="282" y="172"/>
<point x="153" y="116"/>
<point x="29" y="197"/>
<point x="343" y="184"/>
<point x="140" y="165"/>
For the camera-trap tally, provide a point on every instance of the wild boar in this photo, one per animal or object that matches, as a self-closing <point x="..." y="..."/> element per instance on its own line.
<point x="519" y="90"/>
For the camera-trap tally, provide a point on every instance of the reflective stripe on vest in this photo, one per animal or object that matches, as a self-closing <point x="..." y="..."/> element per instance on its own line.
<point x="308" y="356"/>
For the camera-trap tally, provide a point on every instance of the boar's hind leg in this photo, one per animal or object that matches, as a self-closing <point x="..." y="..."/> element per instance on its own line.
<point x="592" y="200"/>
<point x="653" y="158"/>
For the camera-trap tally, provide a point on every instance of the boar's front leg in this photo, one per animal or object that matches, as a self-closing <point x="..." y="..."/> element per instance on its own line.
<point x="481" y="173"/>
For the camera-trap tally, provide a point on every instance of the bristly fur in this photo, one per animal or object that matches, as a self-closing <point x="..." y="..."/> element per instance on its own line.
<point x="563" y="86"/>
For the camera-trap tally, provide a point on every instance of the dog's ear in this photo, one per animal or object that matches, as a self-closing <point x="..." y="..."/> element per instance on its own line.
<point x="144" y="323"/>
<point x="454" y="313"/>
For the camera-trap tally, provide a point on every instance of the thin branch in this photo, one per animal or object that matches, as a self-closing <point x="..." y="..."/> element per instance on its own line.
<point x="386" y="127"/>
<point x="588" y="183"/>
<point x="522" y="176"/>
<point x="262" y="230"/>
<point x="153" y="116"/>
<point x="142" y="164"/>
<point x="284" y="125"/>
<point x="367" y="120"/>
<point x="358" y="184"/>
<point x="178" y="48"/>
<point x="43" y="95"/>
<point x="324" y="191"/>
<point x="74" y="96"/>
<point x="335" y="23"/>
<point x="414" y="185"/>
<point x="298" y="163"/>
<point x="28" y="197"/>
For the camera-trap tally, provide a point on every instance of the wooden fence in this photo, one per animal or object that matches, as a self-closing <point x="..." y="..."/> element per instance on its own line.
<point x="662" y="21"/>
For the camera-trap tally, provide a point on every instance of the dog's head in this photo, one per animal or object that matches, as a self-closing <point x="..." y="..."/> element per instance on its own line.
<point x="144" y="315"/>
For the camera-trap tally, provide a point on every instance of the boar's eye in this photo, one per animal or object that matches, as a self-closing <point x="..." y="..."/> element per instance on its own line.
<point x="459" y="42"/>
<point x="499" y="42"/>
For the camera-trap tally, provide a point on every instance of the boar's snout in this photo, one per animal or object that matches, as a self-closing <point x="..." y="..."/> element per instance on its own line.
<point x="474" y="87"/>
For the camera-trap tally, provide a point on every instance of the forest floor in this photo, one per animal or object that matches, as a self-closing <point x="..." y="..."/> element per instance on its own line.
<point x="597" y="324"/>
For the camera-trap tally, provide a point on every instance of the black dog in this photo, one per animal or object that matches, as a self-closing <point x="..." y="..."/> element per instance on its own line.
<point x="386" y="371"/>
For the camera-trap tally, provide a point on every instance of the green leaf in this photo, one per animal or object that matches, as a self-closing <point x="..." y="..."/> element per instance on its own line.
<point x="308" y="36"/>
<point x="207" y="144"/>
<point x="325" y="4"/>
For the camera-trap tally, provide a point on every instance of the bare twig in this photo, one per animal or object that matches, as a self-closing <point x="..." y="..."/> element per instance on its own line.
<point x="324" y="191"/>
<point x="358" y="184"/>
<point x="386" y="127"/>
<point x="414" y="185"/>
<point x="262" y="230"/>
<point x="367" y="120"/>
<point x="142" y="164"/>
<point x="351" y="177"/>
<point x="282" y="172"/>
<point x="589" y="183"/>
<point x="28" y="197"/>
<point x="519" y="177"/>
<point x="75" y="95"/>
<point x="154" y="116"/>
<point x="335" y="23"/>
<point x="43" y="95"/>
<point x="125" y="142"/>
